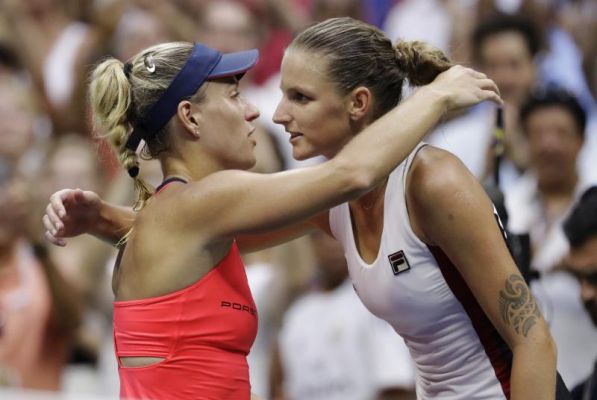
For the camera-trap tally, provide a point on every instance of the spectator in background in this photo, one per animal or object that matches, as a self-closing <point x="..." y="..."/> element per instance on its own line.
<point x="512" y="50"/>
<point x="569" y="59"/>
<point x="581" y="231"/>
<point x="504" y="47"/>
<point x="39" y="310"/>
<point x="54" y="45"/>
<point x="72" y="161"/>
<point x="10" y="63"/>
<point x="330" y="347"/>
<point x="578" y="18"/>
<point x="561" y="62"/>
<point x="554" y="124"/>
<point x="403" y="22"/>
<point x="229" y="25"/>
<point x="23" y="133"/>
<point x="137" y="29"/>
<point x="325" y="9"/>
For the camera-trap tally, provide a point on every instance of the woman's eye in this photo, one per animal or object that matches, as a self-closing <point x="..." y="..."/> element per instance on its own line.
<point x="299" y="97"/>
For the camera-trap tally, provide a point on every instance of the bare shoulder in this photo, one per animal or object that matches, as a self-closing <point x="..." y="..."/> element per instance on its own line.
<point x="441" y="192"/>
<point x="201" y="198"/>
<point x="435" y="174"/>
<point x="178" y="208"/>
<point x="198" y="207"/>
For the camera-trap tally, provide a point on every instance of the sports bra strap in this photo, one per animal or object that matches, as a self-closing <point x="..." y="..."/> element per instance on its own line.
<point x="167" y="181"/>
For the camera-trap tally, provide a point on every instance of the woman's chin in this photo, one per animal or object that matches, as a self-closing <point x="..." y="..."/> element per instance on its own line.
<point x="300" y="153"/>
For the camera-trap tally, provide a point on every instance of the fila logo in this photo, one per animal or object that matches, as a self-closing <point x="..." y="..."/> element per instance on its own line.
<point x="398" y="262"/>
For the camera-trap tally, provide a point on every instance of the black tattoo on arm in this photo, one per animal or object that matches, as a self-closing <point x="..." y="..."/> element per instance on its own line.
<point x="517" y="305"/>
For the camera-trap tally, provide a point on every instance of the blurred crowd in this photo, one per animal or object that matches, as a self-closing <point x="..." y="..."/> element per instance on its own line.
<point x="315" y="340"/>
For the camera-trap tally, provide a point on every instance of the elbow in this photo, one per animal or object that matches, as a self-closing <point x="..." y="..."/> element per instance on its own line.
<point x="540" y="342"/>
<point x="549" y="349"/>
<point x="547" y="343"/>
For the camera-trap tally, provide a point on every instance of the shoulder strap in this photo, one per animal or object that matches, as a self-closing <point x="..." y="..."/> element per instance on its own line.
<point x="168" y="181"/>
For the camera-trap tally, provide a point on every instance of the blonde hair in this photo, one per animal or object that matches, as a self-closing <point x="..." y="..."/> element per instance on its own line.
<point x="359" y="54"/>
<point x="120" y="96"/>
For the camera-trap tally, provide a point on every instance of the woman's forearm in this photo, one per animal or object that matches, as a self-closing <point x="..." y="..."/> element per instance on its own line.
<point x="534" y="371"/>
<point x="113" y="223"/>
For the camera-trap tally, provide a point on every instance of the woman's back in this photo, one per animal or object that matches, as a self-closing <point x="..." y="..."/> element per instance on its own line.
<point x="161" y="255"/>
<point x="190" y="329"/>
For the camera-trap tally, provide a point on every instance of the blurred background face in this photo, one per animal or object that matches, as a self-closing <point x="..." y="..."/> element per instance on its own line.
<point x="229" y="26"/>
<point x="324" y="9"/>
<point x="506" y="59"/>
<point x="554" y="144"/>
<point x="16" y="129"/>
<point x="13" y="210"/>
<point x="582" y="261"/>
<point x="39" y="6"/>
<point x="73" y="164"/>
<point x="137" y="30"/>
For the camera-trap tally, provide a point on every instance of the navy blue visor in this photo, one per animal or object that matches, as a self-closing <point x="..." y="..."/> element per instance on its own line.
<point x="203" y="64"/>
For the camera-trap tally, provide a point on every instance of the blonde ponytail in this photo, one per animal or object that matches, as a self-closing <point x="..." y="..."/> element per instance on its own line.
<point x="420" y="61"/>
<point x="111" y="101"/>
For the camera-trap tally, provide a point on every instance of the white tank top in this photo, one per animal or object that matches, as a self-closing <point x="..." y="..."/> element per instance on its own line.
<point x="458" y="352"/>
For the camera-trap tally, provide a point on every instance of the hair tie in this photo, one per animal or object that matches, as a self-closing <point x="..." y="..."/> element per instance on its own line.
<point x="128" y="68"/>
<point x="133" y="171"/>
<point x="149" y="64"/>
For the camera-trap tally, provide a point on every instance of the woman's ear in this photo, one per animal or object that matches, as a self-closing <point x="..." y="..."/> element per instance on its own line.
<point x="360" y="102"/>
<point x="187" y="117"/>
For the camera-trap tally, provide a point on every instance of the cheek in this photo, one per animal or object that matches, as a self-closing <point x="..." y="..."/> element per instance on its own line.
<point x="328" y="126"/>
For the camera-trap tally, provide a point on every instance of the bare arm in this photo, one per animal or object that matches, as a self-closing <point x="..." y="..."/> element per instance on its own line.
<point x="72" y="212"/>
<point x="256" y="242"/>
<point x="452" y="212"/>
<point x="237" y="197"/>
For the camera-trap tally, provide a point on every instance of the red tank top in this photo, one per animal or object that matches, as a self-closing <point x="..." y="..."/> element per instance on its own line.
<point x="204" y="333"/>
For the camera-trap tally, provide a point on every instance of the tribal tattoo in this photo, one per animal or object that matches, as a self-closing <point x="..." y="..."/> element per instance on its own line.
<point x="517" y="305"/>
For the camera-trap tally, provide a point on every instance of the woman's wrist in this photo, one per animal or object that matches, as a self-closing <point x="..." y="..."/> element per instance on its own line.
<point x="434" y="98"/>
<point x="109" y="224"/>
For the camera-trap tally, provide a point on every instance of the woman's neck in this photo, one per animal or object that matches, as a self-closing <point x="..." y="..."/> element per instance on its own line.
<point x="563" y="188"/>
<point x="372" y="200"/>
<point x="189" y="171"/>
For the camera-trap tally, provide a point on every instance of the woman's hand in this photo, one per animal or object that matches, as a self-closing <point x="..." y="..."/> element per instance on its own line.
<point x="70" y="213"/>
<point x="461" y="87"/>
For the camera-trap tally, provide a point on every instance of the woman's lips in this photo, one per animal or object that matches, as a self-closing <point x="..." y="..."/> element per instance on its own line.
<point x="294" y="136"/>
